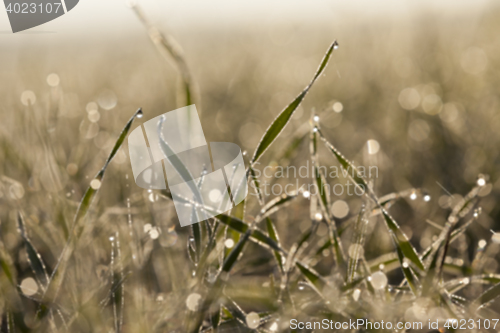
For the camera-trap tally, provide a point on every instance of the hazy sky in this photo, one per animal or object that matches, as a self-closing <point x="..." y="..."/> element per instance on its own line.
<point x="114" y="17"/>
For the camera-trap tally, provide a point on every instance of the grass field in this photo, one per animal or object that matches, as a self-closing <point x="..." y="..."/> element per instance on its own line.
<point x="84" y="249"/>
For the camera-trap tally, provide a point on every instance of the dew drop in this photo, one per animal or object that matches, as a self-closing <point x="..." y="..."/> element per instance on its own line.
<point x="337" y="107"/>
<point x="379" y="280"/>
<point x="406" y="263"/>
<point x="355" y="294"/>
<point x="229" y="243"/>
<point x="95" y="184"/>
<point x="481" y="182"/>
<point x="94" y="116"/>
<point x="481" y="244"/>
<point x="154" y="233"/>
<point x="28" y="97"/>
<point x="111" y="238"/>
<point x="356" y="251"/>
<point x="147" y="227"/>
<point x="315" y="129"/>
<point x="253" y="320"/>
<point x="427" y="198"/>
<point x="318" y="216"/>
<point x="306" y="194"/>
<point x="273" y="327"/>
<point x="107" y="100"/>
<point x="53" y="80"/>
<point x="29" y="286"/>
<point x="373" y="146"/>
<point x="193" y="301"/>
<point x="316" y="118"/>
<point x="413" y="195"/>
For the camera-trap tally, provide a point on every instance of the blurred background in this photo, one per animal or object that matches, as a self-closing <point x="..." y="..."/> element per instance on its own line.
<point x="412" y="89"/>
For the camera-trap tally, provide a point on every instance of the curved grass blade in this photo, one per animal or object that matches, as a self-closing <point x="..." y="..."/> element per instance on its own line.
<point x="316" y="281"/>
<point x="488" y="296"/>
<point x="57" y="277"/>
<point x="281" y="121"/>
<point x="171" y="50"/>
<point x="400" y="239"/>
<point x="408" y="272"/>
<point x="34" y="258"/>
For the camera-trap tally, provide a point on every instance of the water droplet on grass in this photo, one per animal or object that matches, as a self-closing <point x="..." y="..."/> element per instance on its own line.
<point x="427" y="198"/>
<point x="95" y="184"/>
<point x="318" y="216"/>
<point x="379" y="280"/>
<point x="253" y="320"/>
<point x="193" y="301"/>
<point x="29" y="286"/>
<point x="28" y="97"/>
<point x="373" y="146"/>
<point x="316" y="118"/>
<point x="229" y="243"/>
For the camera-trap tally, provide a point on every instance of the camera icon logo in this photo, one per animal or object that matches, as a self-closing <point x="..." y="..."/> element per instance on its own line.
<point x="205" y="180"/>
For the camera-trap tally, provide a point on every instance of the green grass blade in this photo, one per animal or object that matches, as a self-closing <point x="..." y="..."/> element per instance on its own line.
<point x="314" y="279"/>
<point x="78" y="224"/>
<point x="488" y="296"/>
<point x="400" y="239"/>
<point x="281" y="121"/>
<point x="34" y="258"/>
<point x="170" y="49"/>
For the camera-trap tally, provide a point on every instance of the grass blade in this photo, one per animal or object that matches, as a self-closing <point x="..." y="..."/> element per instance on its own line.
<point x="280" y="122"/>
<point x="400" y="239"/>
<point x="34" y="258"/>
<point x="271" y="230"/>
<point x="78" y="224"/>
<point x="171" y="50"/>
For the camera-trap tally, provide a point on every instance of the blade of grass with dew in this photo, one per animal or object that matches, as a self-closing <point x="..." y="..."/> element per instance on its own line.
<point x="399" y="238"/>
<point x="281" y="121"/>
<point x="256" y="235"/>
<point x="273" y="234"/>
<point x="488" y="296"/>
<point x="316" y="281"/>
<point x="358" y="240"/>
<point x="57" y="276"/>
<point x="324" y="198"/>
<point x="222" y="278"/>
<point x="8" y="281"/>
<point x="171" y="50"/>
<point x="408" y="272"/>
<point x="34" y="258"/>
